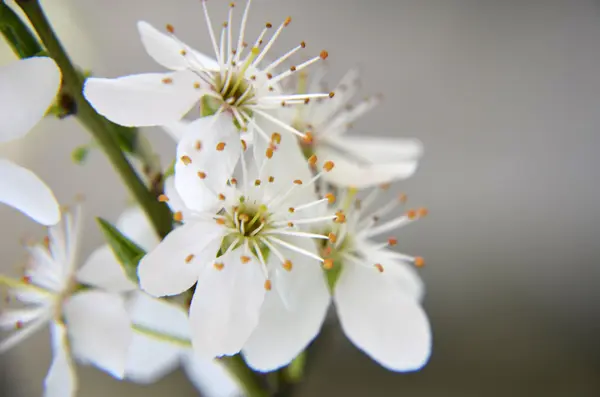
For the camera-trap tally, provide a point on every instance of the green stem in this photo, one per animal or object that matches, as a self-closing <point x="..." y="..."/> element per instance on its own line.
<point x="251" y="382"/>
<point x="17" y="34"/>
<point x="157" y="212"/>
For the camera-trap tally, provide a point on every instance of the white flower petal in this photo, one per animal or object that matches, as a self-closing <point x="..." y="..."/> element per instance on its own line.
<point x="283" y="330"/>
<point x="380" y="150"/>
<point x="168" y="52"/>
<point x="27" y="89"/>
<point x="363" y="173"/>
<point x="136" y="226"/>
<point x="23" y="190"/>
<point x="217" y="165"/>
<point x="381" y="319"/>
<point x="226" y="305"/>
<point x="150" y="358"/>
<point x="103" y="270"/>
<point x="61" y="380"/>
<point x="175" y="202"/>
<point x="166" y="270"/>
<point x="99" y="330"/>
<point x="210" y="377"/>
<point x="142" y="100"/>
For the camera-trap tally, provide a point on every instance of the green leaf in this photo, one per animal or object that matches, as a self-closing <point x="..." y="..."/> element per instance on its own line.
<point x="127" y="252"/>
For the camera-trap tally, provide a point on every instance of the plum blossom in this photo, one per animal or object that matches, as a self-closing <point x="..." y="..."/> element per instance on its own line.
<point x="238" y="81"/>
<point x="88" y="324"/>
<point x="27" y="89"/>
<point x="376" y="290"/>
<point x="161" y="337"/>
<point x="259" y="287"/>
<point x="362" y="161"/>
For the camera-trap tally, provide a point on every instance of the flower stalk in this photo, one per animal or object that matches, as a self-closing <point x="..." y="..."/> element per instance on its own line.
<point x="98" y="126"/>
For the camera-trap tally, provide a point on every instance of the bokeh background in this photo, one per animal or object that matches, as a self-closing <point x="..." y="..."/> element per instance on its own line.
<point x="505" y="95"/>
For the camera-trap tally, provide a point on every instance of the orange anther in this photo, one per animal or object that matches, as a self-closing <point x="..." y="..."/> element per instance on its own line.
<point x="257" y="182"/>
<point x="411" y="214"/>
<point x="287" y="265"/>
<point x="170" y="28"/>
<point x="331" y="94"/>
<point x="220" y="221"/>
<point x="308" y="138"/>
<point x="189" y="258"/>
<point x="287" y="21"/>
<point x="332" y="237"/>
<point x="340" y="217"/>
<point x="221" y="197"/>
<point x="276" y="138"/>
<point x="422" y="212"/>
<point x="297" y="182"/>
<point x="233" y="181"/>
<point x="312" y="160"/>
<point x="162" y="198"/>
<point x="392" y="241"/>
<point x="290" y="224"/>
<point x="330" y="198"/>
<point x="379" y="267"/>
<point x="244" y="145"/>
<point x="302" y="44"/>
<point x="328" y="166"/>
<point x="271" y="179"/>
<point x="324" y="54"/>
<point x="167" y="80"/>
<point x="328" y="264"/>
<point x="268" y="285"/>
<point x="419" y="261"/>
<point x="198" y="145"/>
<point x="291" y="210"/>
<point x="178" y="216"/>
<point x="201" y="174"/>
<point x="269" y="153"/>
<point x="221" y="146"/>
<point x="219" y="265"/>
<point x="244" y="259"/>
<point x="186" y="160"/>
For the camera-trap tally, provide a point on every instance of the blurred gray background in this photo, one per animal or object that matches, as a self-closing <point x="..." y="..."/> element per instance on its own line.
<point x="505" y="95"/>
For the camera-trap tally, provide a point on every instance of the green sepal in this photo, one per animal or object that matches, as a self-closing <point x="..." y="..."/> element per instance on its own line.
<point x="127" y="252"/>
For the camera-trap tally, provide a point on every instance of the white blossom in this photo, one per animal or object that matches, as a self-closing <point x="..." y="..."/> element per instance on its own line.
<point x="161" y="337"/>
<point x="362" y="161"/>
<point x="27" y="89"/>
<point x="377" y="291"/>
<point x="88" y="324"/>
<point x="259" y="288"/>
<point x="238" y="81"/>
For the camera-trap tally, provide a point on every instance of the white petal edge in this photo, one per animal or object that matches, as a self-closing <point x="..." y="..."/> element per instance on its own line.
<point x="167" y="51"/>
<point x="99" y="330"/>
<point x="210" y="377"/>
<point x="143" y="100"/>
<point x="27" y="89"/>
<point x="386" y="323"/>
<point x="174" y="265"/>
<point x="24" y="191"/>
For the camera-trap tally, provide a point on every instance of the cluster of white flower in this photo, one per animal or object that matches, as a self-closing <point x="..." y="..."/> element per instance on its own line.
<point x="268" y="224"/>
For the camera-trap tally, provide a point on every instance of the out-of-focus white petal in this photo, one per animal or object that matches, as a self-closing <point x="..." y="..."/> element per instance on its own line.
<point x="206" y="157"/>
<point x="380" y="150"/>
<point x="381" y="319"/>
<point x="149" y="357"/>
<point x="136" y="226"/>
<point x="27" y="89"/>
<point x="168" y="52"/>
<point x="362" y="173"/>
<point x="23" y="190"/>
<point x="61" y="380"/>
<point x="99" y="330"/>
<point x="210" y="377"/>
<point x="103" y="270"/>
<point x="142" y="100"/>
<point x="286" y="328"/>
<point x="174" y="265"/>
<point x="226" y="305"/>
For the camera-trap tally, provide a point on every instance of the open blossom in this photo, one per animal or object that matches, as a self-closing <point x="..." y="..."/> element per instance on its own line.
<point x="89" y="324"/>
<point x="161" y="337"/>
<point x="377" y="292"/>
<point x="27" y="89"/>
<point x="238" y="81"/>
<point x="259" y="287"/>
<point x="362" y="161"/>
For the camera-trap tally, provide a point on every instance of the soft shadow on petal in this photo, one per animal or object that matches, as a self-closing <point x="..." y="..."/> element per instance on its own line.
<point x="381" y="319"/>
<point x="99" y="330"/>
<point x="27" y="89"/>
<point x="226" y="305"/>
<point x="288" y="323"/>
<point x="103" y="270"/>
<point x="23" y="190"/>
<point x="143" y="100"/>
<point x="134" y="224"/>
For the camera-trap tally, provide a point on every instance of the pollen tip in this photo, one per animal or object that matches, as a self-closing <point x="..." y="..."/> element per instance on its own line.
<point x="312" y="160"/>
<point x="331" y="94"/>
<point x="292" y="68"/>
<point x="422" y="212"/>
<point x="287" y="265"/>
<point x="276" y="138"/>
<point x="419" y="261"/>
<point x="268" y="285"/>
<point x="308" y="138"/>
<point x="297" y="182"/>
<point x="330" y="198"/>
<point x="170" y="28"/>
<point x="271" y="179"/>
<point x="257" y="182"/>
<point x="233" y="181"/>
<point x="287" y="21"/>
<point x="221" y="146"/>
<point x="268" y="25"/>
<point x="244" y="259"/>
<point x="178" y="216"/>
<point x="328" y="166"/>
<point x="328" y="264"/>
<point x="324" y="54"/>
<point x="186" y="160"/>
<point x="244" y="145"/>
<point x="198" y="145"/>
<point x="339" y="217"/>
<point x="392" y="241"/>
<point x="411" y="214"/>
<point x="379" y="267"/>
<point x="201" y="174"/>
<point x="302" y="44"/>
<point x="167" y="80"/>
<point x="291" y="210"/>
<point x="221" y="197"/>
<point x="332" y="237"/>
<point x="219" y="265"/>
<point x="255" y="51"/>
<point x="290" y="224"/>
<point x="189" y="258"/>
<point x="220" y="221"/>
<point x="269" y="153"/>
<point x="163" y="198"/>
